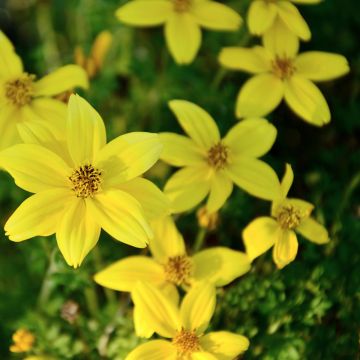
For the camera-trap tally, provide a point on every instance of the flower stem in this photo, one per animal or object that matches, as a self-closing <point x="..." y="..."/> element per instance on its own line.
<point x="199" y="241"/>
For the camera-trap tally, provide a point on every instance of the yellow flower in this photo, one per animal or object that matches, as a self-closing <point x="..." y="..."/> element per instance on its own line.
<point x="182" y="19"/>
<point x="185" y="326"/>
<point x="25" y="102"/>
<point x="263" y="13"/>
<point x="23" y="341"/>
<point x="171" y="266"/>
<point x="212" y="164"/>
<point x="281" y="73"/>
<point x="85" y="186"/>
<point x="288" y="215"/>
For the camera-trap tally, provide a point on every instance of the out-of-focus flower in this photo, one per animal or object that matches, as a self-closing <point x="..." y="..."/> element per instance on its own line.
<point x="85" y="185"/>
<point x="70" y="311"/>
<point x="282" y="73"/>
<point x="26" y="102"/>
<point x="288" y="215"/>
<point x="182" y="19"/>
<point x="23" y="341"/>
<point x="206" y="220"/>
<point x="211" y="164"/>
<point x="184" y="325"/>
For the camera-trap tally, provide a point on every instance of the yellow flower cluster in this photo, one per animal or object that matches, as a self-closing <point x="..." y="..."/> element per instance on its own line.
<point x="80" y="183"/>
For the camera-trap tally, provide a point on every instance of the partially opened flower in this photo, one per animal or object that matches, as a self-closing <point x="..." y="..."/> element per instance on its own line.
<point x="281" y="73"/>
<point x="287" y="216"/>
<point x="182" y="20"/>
<point x="184" y="327"/>
<point x="85" y="186"/>
<point x="211" y="164"/>
<point x="26" y="102"/>
<point x="23" y="341"/>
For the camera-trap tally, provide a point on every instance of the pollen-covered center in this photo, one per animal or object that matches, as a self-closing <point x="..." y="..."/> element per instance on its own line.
<point x="289" y="217"/>
<point x="178" y="269"/>
<point x="21" y="90"/>
<point x="86" y="181"/>
<point x="283" y="68"/>
<point x="182" y="5"/>
<point x="186" y="342"/>
<point x="217" y="156"/>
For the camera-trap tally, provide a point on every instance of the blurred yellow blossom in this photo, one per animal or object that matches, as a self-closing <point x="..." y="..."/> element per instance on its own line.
<point x="23" y="341"/>
<point x="206" y="220"/>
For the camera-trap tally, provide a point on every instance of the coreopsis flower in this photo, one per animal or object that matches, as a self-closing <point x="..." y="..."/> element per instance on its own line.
<point x="281" y="73"/>
<point x="23" y="341"/>
<point x="211" y="164"/>
<point x="182" y="20"/>
<point x="263" y="13"/>
<point x="171" y="266"/>
<point x="26" y="102"/>
<point x="288" y="216"/>
<point x="183" y="326"/>
<point x="85" y="186"/>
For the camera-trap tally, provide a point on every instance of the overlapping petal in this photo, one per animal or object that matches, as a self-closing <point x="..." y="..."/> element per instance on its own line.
<point x="10" y="63"/>
<point x="154" y="350"/>
<point x="261" y="16"/>
<point x="285" y="249"/>
<point x="8" y="127"/>
<point x="221" y="188"/>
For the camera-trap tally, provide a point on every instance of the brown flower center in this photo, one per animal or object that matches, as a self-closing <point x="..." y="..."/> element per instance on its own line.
<point x="178" y="269"/>
<point x="186" y="342"/>
<point x="182" y="5"/>
<point x="289" y="217"/>
<point x="217" y="156"/>
<point x="21" y="90"/>
<point x="86" y="181"/>
<point x="283" y="67"/>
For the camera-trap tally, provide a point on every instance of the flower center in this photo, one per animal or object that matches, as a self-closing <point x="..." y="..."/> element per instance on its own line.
<point x="178" y="269"/>
<point x="217" y="156"/>
<point x="283" y="67"/>
<point x="289" y="217"/>
<point x="182" y="5"/>
<point x="86" y="181"/>
<point x="186" y="342"/>
<point x="21" y="90"/>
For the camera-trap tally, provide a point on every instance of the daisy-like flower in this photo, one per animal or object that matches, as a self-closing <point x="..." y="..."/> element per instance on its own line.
<point x="171" y="266"/>
<point x="263" y="14"/>
<point x="211" y="164"/>
<point x="23" y="341"/>
<point x="26" y="102"/>
<point x="282" y="73"/>
<point x="287" y="216"/>
<point x="85" y="186"/>
<point x="184" y="327"/>
<point x="182" y="20"/>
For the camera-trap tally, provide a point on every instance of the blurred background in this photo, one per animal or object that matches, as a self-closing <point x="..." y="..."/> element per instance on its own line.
<point x="309" y="310"/>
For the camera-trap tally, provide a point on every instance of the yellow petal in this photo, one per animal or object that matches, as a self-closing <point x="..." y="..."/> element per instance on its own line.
<point x="313" y="231"/>
<point x="321" y="66"/>
<point x="8" y="127"/>
<point x="167" y="241"/>
<point x="197" y="307"/>
<point x="255" y="177"/>
<point x="285" y="248"/>
<point x="121" y="216"/>
<point x="85" y="124"/>
<point x="124" y="274"/>
<point x="293" y="19"/>
<point x="220" y="189"/>
<point x="10" y="63"/>
<point x="203" y="356"/>
<point x="187" y="188"/>
<point x="307" y="101"/>
<point x="183" y="45"/>
<point x="253" y="60"/>
<point x="251" y="137"/>
<point x="145" y="12"/>
<point x="215" y="16"/>
<point x="259" y="236"/>
<point x="77" y="233"/>
<point x="34" y="168"/>
<point x="261" y="16"/>
<point x="196" y="122"/>
<point x="307" y="1"/>
<point x="63" y="79"/>
<point x="287" y="180"/>
<point x="38" y="215"/>
<point x="156" y="309"/>
<point x="259" y="96"/>
<point x="224" y="345"/>
<point x="180" y="150"/>
<point x="303" y="206"/>
<point x="154" y="350"/>
<point x="142" y="328"/>
<point x="101" y="47"/>
<point x="220" y="265"/>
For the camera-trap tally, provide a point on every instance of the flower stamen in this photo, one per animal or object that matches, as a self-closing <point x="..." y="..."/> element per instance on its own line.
<point x="182" y="5"/>
<point x="186" y="342"/>
<point x="283" y="68"/>
<point x="178" y="269"/>
<point x="21" y="90"/>
<point x="289" y="217"/>
<point x="217" y="156"/>
<point x="86" y="181"/>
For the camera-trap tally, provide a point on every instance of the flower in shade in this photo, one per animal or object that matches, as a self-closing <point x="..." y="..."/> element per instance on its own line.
<point x="281" y="73"/>
<point x="26" y="102"/>
<point x="23" y="341"/>
<point x="85" y="186"/>
<point x="182" y="20"/>
<point x="288" y="216"/>
<point x="210" y="165"/>
<point x="263" y="14"/>
<point x="183" y="326"/>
